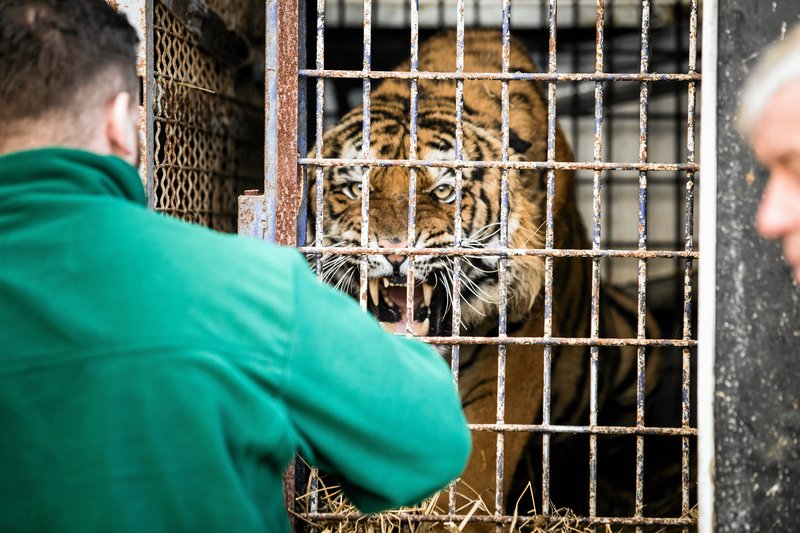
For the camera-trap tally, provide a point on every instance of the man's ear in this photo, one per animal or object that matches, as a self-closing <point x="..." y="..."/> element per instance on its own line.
<point x="122" y="127"/>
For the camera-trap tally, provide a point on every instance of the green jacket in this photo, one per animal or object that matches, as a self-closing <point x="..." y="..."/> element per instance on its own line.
<point x="157" y="376"/>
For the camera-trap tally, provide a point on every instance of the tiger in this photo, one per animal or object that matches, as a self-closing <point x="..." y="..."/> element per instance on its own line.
<point x="481" y="188"/>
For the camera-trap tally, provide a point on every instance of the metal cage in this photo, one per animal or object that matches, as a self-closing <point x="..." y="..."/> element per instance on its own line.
<point x="204" y="129"/>
<point x="621" y="76"/>
<point x="617" y="75"/>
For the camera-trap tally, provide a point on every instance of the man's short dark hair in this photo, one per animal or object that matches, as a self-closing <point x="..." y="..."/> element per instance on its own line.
<point x="52" y="50"/>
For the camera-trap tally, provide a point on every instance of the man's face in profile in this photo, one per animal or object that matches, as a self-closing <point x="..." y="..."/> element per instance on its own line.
<point x="776" y="141"/>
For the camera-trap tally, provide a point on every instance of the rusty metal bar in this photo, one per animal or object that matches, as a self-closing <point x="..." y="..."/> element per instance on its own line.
<point x="510" y="252"/>
<point x="285" y="178"/>
<point x="411" y="237"/>
<point x="689" y="246"/>
<point x="642" y="267"/>
<point x="584" y="430"/>
<point x="280" y="138"/>
<point x="521" y="76"/>
<point x="502" y="263"/>
<point x="319" y="228"/>
<point x="548" y="275"/>
<point x="490" y="519"/>
<point x="363" y="265"/>
<point x="318" y="186"/>
<point x="517" y="165"/>
<point x="564" y="341"/>
<point x="455" y="352"/>
<point x="596" y="227"/>
<point x="280" y="165"/>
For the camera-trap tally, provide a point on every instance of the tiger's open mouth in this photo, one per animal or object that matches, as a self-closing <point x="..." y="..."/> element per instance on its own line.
<point x="388" y="303"/>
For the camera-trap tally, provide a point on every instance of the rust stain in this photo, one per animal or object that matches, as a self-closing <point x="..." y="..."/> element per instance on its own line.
<point x="287" y="190"/>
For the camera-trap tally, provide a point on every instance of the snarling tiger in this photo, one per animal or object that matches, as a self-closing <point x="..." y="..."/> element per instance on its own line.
<point x="388" y="202"/>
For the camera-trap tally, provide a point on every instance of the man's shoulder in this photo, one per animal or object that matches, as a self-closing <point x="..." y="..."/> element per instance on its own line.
<point x="203" y="253"/>
<point x="182" y="277"/>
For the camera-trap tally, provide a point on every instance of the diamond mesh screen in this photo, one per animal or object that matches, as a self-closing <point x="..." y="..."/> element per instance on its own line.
<point x="208" y="131"/>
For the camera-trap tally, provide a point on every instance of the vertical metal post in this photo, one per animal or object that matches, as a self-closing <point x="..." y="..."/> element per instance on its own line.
<point x="548" y="265"/>
<point x="140" y="15"/>
<point x="365" y="152"/>
<point x="641" y="332"/>
<point x="689" y="245"/>
<point x="502" y="263"/>
<point x="281" y="184"/>
<point x="459" y="156"/>
<point x="281" y="139"/>
<point x="319" y="231"/>
<point x="596" y="213"/>
<point x="411" y="237"/>
<point x="319" y="186"/>
<point x="707" y="279"/>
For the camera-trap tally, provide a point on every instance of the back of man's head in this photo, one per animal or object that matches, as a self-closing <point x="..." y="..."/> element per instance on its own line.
<point x="61" y="63"/>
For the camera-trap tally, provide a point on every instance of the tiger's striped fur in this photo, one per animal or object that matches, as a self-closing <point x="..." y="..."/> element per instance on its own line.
<point x="388" y="215"/>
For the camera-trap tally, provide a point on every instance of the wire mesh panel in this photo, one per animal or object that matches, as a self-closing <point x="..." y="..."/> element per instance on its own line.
<point x="445" y="196"/>
<point x="208" y="130"/>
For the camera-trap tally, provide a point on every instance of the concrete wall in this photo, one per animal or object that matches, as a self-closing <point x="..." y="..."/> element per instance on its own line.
<point x="757" y="402"/>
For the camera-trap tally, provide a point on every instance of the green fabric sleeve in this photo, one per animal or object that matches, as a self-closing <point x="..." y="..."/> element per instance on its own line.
<point x="379" y="411"/>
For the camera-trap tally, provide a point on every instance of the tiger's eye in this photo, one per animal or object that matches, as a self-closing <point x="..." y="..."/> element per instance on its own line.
<point x="445" y="193"/>
<point x="353" y="189"/>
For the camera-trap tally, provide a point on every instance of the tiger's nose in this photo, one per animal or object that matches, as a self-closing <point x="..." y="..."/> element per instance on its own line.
<point x="394" y="259"/>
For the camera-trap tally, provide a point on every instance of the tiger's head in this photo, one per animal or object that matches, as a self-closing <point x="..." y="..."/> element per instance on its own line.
<point x="480" y="217"/>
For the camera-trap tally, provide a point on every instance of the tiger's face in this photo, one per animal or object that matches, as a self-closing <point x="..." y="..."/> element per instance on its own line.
<point x="388" y="219"/>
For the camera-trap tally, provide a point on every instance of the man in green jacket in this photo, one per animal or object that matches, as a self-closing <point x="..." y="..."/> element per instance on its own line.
<point x="157" y="376"/>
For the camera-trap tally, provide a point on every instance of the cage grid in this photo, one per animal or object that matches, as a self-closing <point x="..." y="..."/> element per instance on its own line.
<point x="683" y="169"/>
<point x="209" y="143"/>
<point x="208" y="131"/>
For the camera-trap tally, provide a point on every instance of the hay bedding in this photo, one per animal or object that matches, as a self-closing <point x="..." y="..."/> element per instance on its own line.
<point x="331" y="499"/>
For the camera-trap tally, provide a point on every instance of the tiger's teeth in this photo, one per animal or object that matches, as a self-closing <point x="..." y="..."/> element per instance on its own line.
<point x="386" y="283"/>
<point x="427" y="293"/>
<point x="421" y="329"/>
<point x="373" y="290"/>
